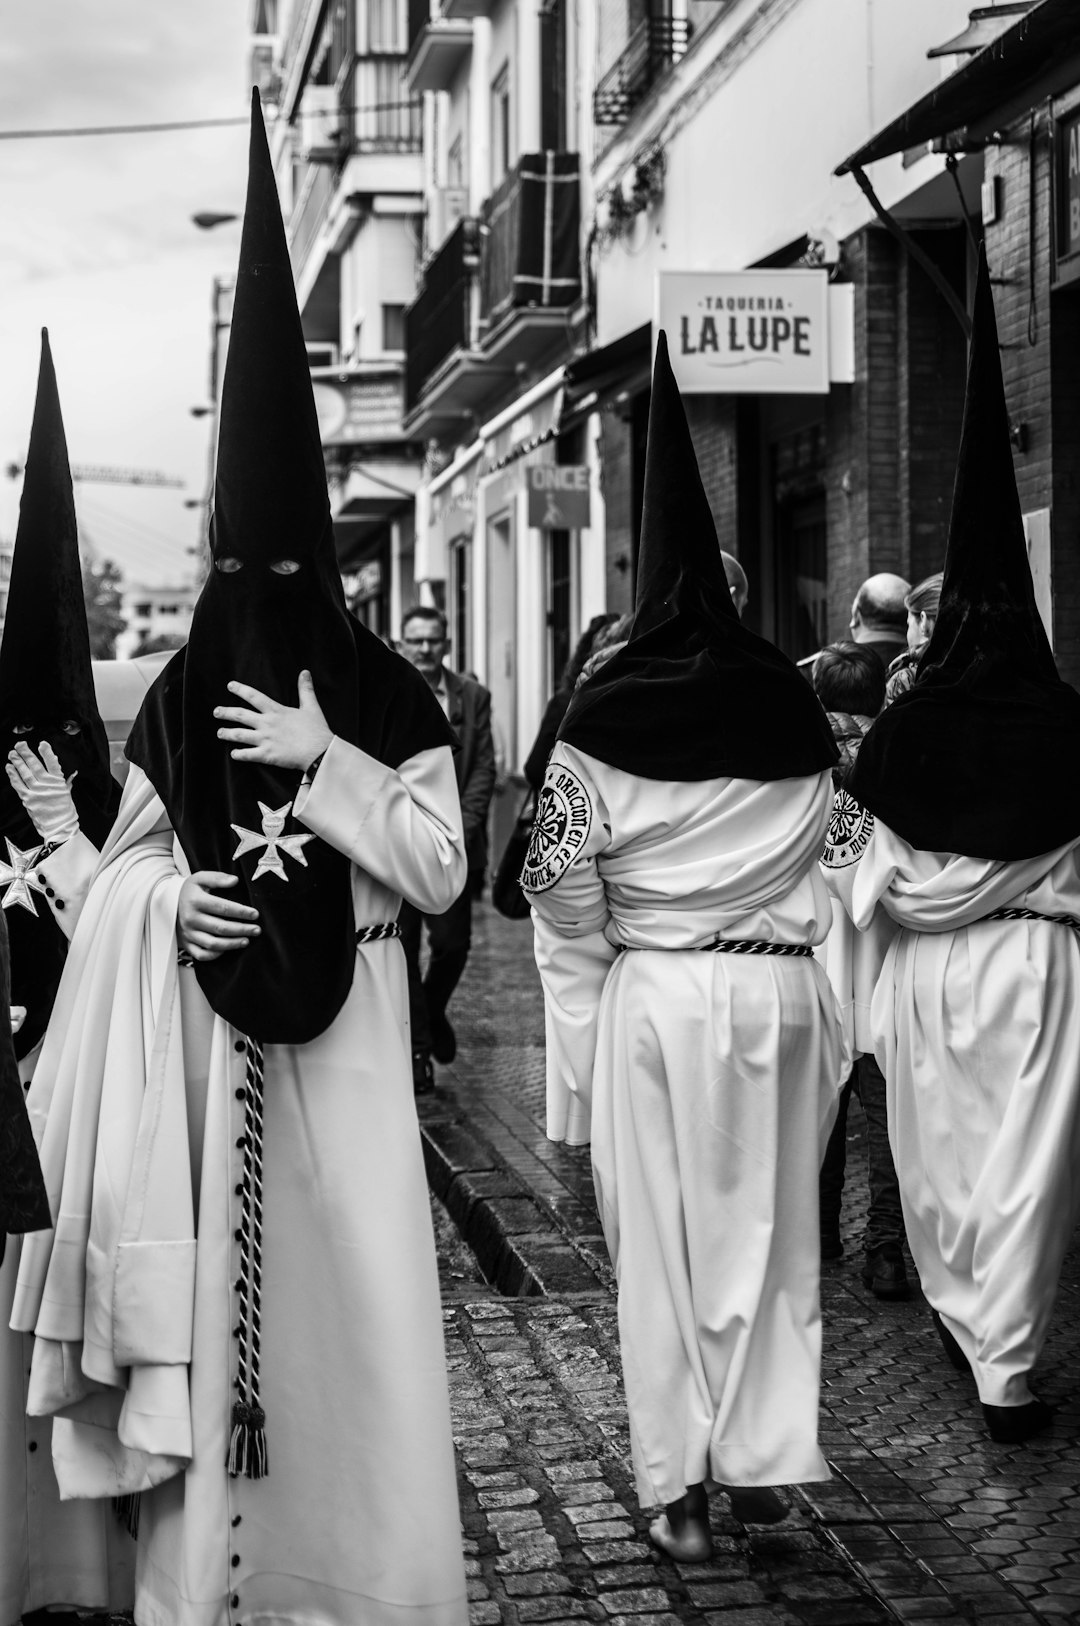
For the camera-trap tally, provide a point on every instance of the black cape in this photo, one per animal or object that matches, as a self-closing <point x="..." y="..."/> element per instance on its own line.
<point x="694" y="694"/>
<point x="24" y="1205"/>
<point x="262" y="626"/>
<point x="981" y="756"/>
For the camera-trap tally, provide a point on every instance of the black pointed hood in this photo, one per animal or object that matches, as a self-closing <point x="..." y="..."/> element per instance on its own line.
<point x="694" y="694"/>
<point x="47" y="693"/>
<point x="272" y="606"/>
<point x="982" y="755"/>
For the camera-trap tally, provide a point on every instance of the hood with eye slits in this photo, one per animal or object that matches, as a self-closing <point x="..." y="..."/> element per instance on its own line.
<point x="259" y="626"/>
<point x="47" y="692"/>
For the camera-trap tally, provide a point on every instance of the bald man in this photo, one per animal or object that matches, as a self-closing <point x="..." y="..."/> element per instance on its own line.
<point x="879" y="616"/>
<point x="739" y="587"/>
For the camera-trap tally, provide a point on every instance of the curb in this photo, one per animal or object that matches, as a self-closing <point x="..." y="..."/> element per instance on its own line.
<point x="519" y="1245"/>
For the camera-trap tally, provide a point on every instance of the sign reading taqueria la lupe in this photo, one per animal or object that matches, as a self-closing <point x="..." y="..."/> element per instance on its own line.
<point x="746" y="332"/>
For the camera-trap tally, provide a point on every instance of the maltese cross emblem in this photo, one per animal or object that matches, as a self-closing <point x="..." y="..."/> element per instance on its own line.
<point x="272" y="839"/>
<point x="18" y="876"/>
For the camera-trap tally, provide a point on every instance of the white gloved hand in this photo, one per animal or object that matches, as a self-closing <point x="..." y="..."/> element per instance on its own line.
<point x="43" y="790"/>
<point x="18" y="1017"/>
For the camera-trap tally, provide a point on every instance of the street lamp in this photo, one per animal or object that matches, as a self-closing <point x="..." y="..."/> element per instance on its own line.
<point x="207" y="219"/>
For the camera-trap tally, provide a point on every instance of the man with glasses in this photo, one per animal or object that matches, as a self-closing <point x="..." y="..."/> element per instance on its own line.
<point x="467" y="705"/>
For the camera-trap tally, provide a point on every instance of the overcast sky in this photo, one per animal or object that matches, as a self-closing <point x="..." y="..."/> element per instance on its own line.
<point x="96" y="243"/>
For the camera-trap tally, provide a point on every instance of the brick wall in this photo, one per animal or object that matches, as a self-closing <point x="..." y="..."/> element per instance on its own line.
<point x="932" y="370"/>
<point x="616" y="473"/>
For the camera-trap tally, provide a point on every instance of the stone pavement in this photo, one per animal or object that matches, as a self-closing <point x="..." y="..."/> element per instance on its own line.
<point x="924" y="1519"/>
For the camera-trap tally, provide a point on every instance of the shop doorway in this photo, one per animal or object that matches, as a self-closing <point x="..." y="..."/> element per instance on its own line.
<point x="801" y="575"/>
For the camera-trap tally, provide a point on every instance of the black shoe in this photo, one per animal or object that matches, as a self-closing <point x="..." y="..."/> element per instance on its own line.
<point x="884" y="1273"/>
<point x="952" y="1349"/>
<point x="831" y="1245"/>
<point x="443" y="1038"/>
<point x="423" y="1077"/>
<point x="1011" y="1425"/>
<point x="756" y="1504"/>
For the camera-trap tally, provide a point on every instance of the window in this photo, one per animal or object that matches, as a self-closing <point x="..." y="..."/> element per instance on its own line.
<point x="393" y="327"/>
<point x="458" y="607"/>
<point x="501" y="154"/>
<point x="386" y="27"/>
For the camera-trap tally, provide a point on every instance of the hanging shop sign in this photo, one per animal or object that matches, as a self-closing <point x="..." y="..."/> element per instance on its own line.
<point x="356" y="409"/>
<point x="747" y="332"/>
<point x="1067" y="198"/>
<point x="559" y="496"/>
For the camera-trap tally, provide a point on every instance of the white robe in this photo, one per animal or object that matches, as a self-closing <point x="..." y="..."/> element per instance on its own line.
<point x="353" y="1368"/>
<point x="977" y="1029"/>
<point x="710" y="1082"/>
<point x="51" y="1552"/>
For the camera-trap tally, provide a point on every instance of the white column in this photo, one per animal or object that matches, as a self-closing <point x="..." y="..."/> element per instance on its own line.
<point x="528" y="78"/>
<point x="531" y="626"/>
<point x="593" y="563"/>
<point x="480" y="115"/>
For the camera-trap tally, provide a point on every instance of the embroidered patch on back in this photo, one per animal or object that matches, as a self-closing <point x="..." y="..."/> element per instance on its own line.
<point x="560" y="829"/>
<point x="850" y="828"/>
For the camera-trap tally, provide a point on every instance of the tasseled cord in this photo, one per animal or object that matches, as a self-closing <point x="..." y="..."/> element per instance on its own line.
<point x="247" y="1442"/>
<point x="126" y="1509"/>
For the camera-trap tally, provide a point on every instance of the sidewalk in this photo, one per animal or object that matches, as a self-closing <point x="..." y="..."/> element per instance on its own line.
<point x="925" y="1519"/>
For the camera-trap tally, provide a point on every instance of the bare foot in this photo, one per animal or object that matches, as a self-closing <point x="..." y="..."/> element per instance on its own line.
<point x="682" y="1530"/>
<point x="756" y="1504"/>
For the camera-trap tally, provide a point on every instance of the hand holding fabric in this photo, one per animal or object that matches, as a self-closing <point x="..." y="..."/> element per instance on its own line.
<point x="44" y="790"/>
<point x="207" y="925"/>
<point x="283" y="736"/>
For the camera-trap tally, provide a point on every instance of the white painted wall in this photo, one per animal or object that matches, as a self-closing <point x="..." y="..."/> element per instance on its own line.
<point x="378" y="268"/>
<point x="749" y="164"/>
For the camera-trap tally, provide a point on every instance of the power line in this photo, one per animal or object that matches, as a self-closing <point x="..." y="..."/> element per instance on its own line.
<point x="62" y="131"/>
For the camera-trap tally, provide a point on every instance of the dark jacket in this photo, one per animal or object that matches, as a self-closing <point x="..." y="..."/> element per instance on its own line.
<point x="469" y="711"/>
<point x="848" y="729"/>
<point x="902" y="673"/>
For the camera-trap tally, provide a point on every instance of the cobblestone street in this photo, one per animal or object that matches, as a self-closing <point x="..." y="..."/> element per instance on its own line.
<point x="924" y="1519"/>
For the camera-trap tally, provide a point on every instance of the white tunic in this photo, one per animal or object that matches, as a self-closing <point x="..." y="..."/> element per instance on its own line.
<point x="710" y="1080"/>
<point x="852" y="957"/>
<point x="977" y="1029"/>
<point x="357" y="1522"/>
<point x="51" y="1552"/>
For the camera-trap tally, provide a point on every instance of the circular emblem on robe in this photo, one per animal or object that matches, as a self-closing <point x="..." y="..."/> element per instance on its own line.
<point x="560" y="829"/>
<point x="850" y="828"/>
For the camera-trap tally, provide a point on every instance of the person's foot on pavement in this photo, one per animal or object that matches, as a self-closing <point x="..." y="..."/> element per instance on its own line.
<point x="443" y="1038"/>
<point x="957" y="1358"/>
<point x="682" y="1530"/>
<point x="423" y="1075"/>
<point x="831" y="1245"/>
<point x="884" y="1273"/>
<point x="756" y="1504"/>
<point x="1012" y="1425"/>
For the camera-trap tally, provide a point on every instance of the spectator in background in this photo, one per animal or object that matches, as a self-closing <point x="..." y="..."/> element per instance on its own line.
<point x="879" y="616"/>
<point x="922" y="608"/>
<point x="537" y="759"/>
<point x="849" y="680"/>
<point x="467" y="705"/>
<point x="738" y="585"/>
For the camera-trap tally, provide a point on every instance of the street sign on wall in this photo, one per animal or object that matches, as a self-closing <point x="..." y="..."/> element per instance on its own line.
<point x="746" y="332"/>
<point x="559" y="496"/>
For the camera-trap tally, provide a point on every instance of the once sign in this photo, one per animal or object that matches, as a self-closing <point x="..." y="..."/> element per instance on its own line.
<point x="559" y="496"/>
<point x="746" y="332"/>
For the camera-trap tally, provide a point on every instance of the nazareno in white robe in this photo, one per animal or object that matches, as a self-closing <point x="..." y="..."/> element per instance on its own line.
<point x="709" y="1081"/>
<point x="976" y="1026"/>
<point x="133" y="1298"/>
<point x="51" y="1552"/>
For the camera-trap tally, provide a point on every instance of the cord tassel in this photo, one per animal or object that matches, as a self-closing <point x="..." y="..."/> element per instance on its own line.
<point x="247" y="1443"/>
<point x="126" y="1509"/>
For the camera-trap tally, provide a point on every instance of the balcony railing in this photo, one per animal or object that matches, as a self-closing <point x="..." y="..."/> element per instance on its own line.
<point x="652" y="47"/>
<point x="437" y="322"/>
<point x="529" y="255"/>
<point x="378" y="115"/>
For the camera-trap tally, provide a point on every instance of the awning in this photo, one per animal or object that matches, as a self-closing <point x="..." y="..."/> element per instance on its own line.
<point x="623" y="365"/>
<point x="1035" y="58"/>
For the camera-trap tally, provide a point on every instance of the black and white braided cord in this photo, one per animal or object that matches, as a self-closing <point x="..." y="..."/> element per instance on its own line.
<point x="247" y="1442"/>
<point x="740" y="945"/>
<point x="1033" y="914"/>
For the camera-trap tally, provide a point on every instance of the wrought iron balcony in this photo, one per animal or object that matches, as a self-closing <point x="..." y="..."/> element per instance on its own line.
<point x="438" y="321"/>
<point x="653" y="46"/>
<point x="529" y="253"/>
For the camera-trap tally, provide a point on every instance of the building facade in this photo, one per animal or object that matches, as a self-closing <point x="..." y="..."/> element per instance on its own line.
<point x="492" y="203"/>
